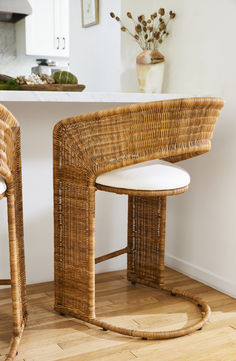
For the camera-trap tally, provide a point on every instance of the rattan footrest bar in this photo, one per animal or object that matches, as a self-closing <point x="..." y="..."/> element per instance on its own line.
<point x="111" y="255"/>
<point x="5" y="282"/>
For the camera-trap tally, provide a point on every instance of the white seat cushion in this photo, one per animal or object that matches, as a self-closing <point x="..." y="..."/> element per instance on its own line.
<point x="151" y="175"/>
<point x="3" y="186"/>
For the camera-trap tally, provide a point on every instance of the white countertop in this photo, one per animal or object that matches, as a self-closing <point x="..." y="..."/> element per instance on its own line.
<point x="82" y="97"/>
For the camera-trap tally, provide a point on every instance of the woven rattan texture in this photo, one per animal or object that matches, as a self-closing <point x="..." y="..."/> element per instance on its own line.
<point x="91" y="144"/>
<point x="10" y="170"/>
<point x="146" y="239"/>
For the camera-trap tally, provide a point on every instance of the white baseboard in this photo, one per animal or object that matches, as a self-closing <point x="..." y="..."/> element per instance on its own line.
<point x="202" y="275"/>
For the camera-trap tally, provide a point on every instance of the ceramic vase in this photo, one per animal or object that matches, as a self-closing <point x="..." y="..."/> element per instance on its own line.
<point x="150" y="66"/>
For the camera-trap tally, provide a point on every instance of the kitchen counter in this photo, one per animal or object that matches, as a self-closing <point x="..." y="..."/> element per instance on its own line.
<point x="82" y="97"/>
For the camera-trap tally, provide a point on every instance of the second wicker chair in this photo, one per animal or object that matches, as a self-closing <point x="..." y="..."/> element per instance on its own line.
<point x="117" y="150"/>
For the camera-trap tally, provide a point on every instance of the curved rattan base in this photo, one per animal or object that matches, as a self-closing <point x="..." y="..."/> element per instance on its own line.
<point x="152" y="335"/>
<point x="160" y="335"/>
<point x="15" y="343"/>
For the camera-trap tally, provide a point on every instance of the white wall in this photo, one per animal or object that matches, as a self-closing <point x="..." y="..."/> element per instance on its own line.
<point x="200" y="59"/>
<point x="95" y="51"/>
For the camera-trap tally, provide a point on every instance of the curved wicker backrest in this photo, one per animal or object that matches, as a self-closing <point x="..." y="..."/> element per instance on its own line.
<point x="173" y="129"/>
<point x="90" y="144"/>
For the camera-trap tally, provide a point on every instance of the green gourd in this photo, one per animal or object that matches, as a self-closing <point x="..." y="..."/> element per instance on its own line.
<point x="64" y="77"/>
<point x="11" y="84"/>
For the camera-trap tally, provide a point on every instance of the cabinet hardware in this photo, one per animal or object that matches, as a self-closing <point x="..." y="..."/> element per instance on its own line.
<point x="58" y="43"/>
<point x="64" y="46"/>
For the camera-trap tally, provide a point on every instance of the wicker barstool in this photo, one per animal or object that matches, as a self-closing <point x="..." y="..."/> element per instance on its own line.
<point x="90" y="153"/>
<point x="11" y="188"/>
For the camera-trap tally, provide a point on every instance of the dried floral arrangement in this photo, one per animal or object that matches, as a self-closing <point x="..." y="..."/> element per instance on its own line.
<point x="149" y="33"/>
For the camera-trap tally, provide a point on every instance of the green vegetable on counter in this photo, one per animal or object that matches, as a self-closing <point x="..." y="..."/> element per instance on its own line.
<point x="11" y="84"/>
<point x="64" y="77"/>
<point x="4" y="78"/>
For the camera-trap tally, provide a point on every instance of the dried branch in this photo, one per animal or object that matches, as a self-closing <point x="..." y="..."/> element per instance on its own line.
<point x="150" y="33"/>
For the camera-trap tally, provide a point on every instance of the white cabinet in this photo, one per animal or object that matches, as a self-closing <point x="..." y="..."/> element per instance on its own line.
<point x="62" y="27"/>
<point x="46" y="31"/>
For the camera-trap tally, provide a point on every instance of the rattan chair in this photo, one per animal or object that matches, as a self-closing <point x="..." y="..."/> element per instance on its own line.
<point x="87" y="148"/>
<point x="11" y="188"/>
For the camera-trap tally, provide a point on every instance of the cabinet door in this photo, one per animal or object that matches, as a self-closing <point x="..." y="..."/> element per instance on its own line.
<point x="40" y="29"/>
<point x="62" y="27"/>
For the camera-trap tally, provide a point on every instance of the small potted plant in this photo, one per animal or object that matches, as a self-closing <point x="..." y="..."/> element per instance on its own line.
<point x="149" y="34"/>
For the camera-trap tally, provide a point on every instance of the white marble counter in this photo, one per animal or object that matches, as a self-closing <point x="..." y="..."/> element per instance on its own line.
<point x="83" y="97"/>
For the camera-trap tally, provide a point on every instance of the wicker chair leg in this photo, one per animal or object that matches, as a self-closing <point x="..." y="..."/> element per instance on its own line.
<point x="15" y="343"/>
<point x="74" y="250"/>
<point x="146" y="239"/>
<point x="18" y="287"/>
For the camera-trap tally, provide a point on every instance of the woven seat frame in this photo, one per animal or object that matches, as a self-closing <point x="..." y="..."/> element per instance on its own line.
<point x="10" y="170"/>
<point x="88" y="145"/>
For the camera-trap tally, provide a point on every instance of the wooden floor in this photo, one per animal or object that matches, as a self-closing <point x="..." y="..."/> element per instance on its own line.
<point x="49" y="336"/>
